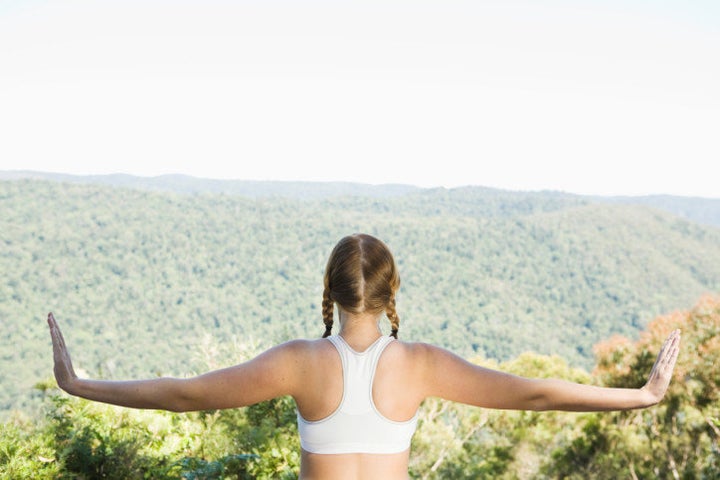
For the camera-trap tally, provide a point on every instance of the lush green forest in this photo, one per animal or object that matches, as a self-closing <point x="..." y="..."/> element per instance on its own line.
<point x="153" y="282"/>
<point x="142" y="280"/>
<point x="676" y="439"/>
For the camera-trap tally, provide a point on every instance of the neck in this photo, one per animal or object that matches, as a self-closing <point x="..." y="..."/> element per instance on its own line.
<point x="359" y="329"/>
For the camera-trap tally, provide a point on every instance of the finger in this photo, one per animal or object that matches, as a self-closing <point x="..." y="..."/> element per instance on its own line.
<point x="674" y="344"/>
<point x="668" y="341"/>
<point x="659" y="358"/>
<point x="56" y="332"/>
<point x="52" y="324"/>
<point x="54" y="335"/>
<point x="672" y="354"/>
<point x="671" y="340"/>
<point x="664" y="361"/>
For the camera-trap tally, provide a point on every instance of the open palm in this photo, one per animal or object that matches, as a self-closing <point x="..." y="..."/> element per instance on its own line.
<point x="64" y="372"/>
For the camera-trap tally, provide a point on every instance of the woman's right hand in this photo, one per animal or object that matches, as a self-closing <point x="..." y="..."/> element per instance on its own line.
<point x="64" y="372"/>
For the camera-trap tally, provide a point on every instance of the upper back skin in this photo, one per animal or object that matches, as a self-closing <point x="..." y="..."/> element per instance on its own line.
<point x="397" y="392"/>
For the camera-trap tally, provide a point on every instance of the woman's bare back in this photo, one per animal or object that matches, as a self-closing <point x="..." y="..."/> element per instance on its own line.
<point x="396" y="395"/>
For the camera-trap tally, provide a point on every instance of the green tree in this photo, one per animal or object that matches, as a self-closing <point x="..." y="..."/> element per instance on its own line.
<point x="677" y="438"/>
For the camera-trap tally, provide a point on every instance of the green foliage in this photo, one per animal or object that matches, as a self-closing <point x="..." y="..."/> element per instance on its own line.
<point x="137" y="277"/>
<point x="148" y="283"/>
<point x="231" y="466"/>
<point x="677" y="438"/>
<point x="26" y="451"/>
<point x="84" y="440"/>
<point x="271" y="434"/>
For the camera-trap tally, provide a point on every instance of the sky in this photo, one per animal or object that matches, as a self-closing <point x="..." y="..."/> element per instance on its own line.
<point x="592" y="97"/>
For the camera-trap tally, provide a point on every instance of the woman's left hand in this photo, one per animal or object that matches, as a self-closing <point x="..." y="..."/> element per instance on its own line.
<point x="662" y="370"/>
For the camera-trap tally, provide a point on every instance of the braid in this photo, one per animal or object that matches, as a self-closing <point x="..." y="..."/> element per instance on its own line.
<point x="360" y="277"/>
<point x="393" y="317"/>
<point x="327" y="312"/>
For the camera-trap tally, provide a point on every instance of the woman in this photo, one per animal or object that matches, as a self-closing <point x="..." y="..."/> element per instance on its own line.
<point x="358" y="392"/>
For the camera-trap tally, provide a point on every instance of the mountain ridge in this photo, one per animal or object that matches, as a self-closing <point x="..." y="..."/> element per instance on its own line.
<point x="699" y="209"/>
<point x="140" y="277"/>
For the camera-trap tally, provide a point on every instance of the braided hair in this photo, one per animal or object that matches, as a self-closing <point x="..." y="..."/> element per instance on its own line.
<point x="361" y="276"/>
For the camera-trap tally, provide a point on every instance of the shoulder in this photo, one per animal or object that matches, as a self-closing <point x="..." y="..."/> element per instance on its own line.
<point x="301" y="353"/>
<point x="419" y="351"/>
<point x="441" y="372"/>
<point x="420" y="367"/>
<point x="301" y="345"/>
<point x="417" y="355"/>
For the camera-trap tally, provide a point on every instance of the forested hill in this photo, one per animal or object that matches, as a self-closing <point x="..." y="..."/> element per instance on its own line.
<point x="697" y="209"/>
<point x="141" y="279"/>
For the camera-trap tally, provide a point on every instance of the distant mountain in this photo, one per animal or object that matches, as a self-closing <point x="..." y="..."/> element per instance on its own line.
<point x="697" y="209"/>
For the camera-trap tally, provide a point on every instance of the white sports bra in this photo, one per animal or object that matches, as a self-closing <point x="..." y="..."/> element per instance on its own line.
<point x="356" y="426"/>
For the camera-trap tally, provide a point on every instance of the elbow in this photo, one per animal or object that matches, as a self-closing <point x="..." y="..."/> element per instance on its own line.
<point x="180" y="405"/>
<point x="180" y="398"/>
<point x="179" y="408"/>
<point x="536" y="398"/>
<point x="543" y="397"/>
<point x="183" y="403"/>
<point x="187" y="402"/>
<point x="176" y="405"/>
<point x="539" y="403"/>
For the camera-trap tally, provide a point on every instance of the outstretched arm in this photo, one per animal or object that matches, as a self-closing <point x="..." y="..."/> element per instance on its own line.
<point x="271" y="374"/>
<point x="453" y="378"/>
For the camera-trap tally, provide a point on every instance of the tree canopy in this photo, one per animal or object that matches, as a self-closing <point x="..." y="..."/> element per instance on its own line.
<point x="140" y="279"/>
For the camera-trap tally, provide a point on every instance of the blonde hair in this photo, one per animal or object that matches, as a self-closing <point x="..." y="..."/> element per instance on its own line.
<point x="361" y="276"/>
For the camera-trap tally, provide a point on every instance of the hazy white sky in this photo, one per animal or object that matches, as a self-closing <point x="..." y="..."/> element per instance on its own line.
<point x="608" y="97"/>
